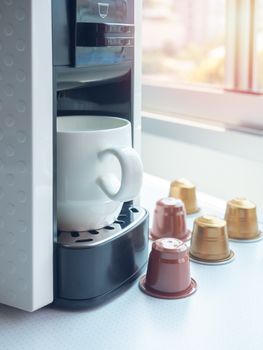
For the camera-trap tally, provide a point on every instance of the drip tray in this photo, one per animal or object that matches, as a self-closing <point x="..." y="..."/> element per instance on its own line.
<point x="92" y="266"/>
<point x="130" y="216"/>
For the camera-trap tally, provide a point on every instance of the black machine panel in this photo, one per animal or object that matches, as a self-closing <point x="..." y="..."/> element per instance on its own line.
<point x="91" y="32"/>
<point x="114" y="11"/>
<point x="104" y="31"/>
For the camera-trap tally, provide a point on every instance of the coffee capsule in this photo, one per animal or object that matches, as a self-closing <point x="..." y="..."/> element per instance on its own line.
<point x="186" y="191"/>
<point x="241" y="219"/>
<point x="170" y="220"/>
<point x="209" y="242"/>
<point x="168" y="273"/>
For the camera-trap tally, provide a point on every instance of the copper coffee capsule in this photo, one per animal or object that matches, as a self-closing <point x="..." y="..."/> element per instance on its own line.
<point x="168" y="273"/>
<point x="209" y="243"/>
<point x="242" y="222"/>
<point x="186" y="191"/>
<point x="170" y="220"/>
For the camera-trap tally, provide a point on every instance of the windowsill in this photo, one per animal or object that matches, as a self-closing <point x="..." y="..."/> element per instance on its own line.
<point x="242" y="143"/>
<point x="233" y="110"/>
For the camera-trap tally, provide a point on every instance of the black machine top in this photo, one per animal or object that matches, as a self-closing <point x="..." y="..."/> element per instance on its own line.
<point x="113" y="11"/>
<point x="92" y="32"/>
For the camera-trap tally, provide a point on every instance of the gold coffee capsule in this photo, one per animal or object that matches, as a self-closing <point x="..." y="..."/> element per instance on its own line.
<point x="185" y="190"/>
<point x="209" y="243"/>
<point x="241" y="218"/>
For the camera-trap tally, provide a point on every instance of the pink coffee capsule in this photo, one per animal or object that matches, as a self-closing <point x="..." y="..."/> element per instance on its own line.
<point x="168" y="272"/>
<point x="170" y="220"/>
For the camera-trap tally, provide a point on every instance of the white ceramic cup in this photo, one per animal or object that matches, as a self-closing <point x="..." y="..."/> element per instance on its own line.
<point x="97" y="170"/>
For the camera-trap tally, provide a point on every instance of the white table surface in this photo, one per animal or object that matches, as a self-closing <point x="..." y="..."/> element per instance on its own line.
<point x="225" y="312"/>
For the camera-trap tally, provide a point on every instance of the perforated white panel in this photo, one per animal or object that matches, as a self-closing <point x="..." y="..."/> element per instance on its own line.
<point x="25" y="154"/>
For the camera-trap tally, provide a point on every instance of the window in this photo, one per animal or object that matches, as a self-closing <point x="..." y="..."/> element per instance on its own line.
<point x="183" y="41"/>
<point x="204" y="59"/>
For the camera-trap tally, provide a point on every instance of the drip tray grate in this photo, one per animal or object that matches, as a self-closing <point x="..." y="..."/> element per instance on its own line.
<point x="130" y="216"/>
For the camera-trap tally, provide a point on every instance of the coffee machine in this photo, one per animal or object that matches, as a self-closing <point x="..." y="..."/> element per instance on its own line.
<point x="63" y="57"/>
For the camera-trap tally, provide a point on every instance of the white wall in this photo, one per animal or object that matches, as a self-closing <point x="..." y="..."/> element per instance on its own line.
<point x="222" y="174"/>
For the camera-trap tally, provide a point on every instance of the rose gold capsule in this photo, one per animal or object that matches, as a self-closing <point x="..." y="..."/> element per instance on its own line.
<point x="241" y="218"/>
<point x="168" y="272"/>
<point x="186" y="191"/>
<point x="209" y="243"/>
<point x="170" y="220"/>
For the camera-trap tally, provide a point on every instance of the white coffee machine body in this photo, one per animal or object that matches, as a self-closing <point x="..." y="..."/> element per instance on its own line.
<point x="28" y="108"/>
<point x="26" y="152"/>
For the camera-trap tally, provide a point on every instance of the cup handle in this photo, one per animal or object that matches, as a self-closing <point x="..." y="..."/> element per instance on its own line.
<point x="131" y="178"/>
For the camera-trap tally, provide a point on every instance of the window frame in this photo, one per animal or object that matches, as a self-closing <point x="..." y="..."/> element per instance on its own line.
<point x="239" y="111"/>
<point x="228" y="107"/>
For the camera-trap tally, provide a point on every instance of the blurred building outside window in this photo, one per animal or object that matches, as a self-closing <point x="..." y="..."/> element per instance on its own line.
<point x="186" y="41"/>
